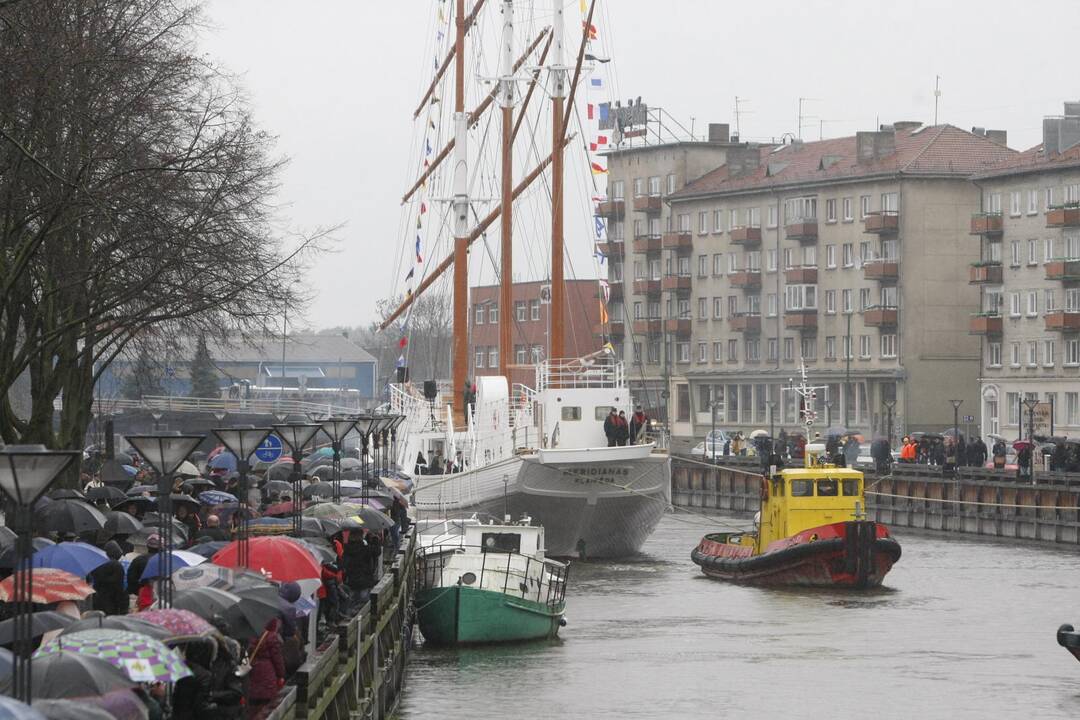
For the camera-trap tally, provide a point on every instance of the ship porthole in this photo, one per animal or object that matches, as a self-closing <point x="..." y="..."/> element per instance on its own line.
<point x="468" y="578"/>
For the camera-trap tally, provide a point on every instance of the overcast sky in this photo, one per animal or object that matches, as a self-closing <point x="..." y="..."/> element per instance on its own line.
<point x="336" y="81"/>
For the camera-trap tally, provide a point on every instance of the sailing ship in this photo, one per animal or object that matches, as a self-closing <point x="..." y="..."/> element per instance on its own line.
<point x="810" y="531"/>
<point x="537" y="450"/>
<point x="487" y="584"/>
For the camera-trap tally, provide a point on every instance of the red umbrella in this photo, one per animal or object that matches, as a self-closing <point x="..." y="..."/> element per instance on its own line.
<point x="50" y="585"/>
<point x="277" y="558"/>
<point x="283" y="508"/>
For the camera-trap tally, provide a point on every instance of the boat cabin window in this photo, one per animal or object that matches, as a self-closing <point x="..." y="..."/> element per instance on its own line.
<point x="827" y="488"/>
<point x="601" y="412"/>
<point x="500" y="542"/>
<point x="851" y="488"/>
<point x="802" y="488"/>
<point x="571" y="412"/>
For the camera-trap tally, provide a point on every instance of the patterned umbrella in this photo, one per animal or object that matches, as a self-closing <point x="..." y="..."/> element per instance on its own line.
<point x="216" y="497"/>
<point x="205" y="575"/>
<point x="142" y="658"/>
<point x="181" y="623"/>
<point x="49" y="586"/>
<point x="270" y="526"/>
<point x="275" y="557"/>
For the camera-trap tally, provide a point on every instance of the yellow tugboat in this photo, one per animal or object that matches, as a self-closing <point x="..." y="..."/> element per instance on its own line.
<point x="811" y="530"/>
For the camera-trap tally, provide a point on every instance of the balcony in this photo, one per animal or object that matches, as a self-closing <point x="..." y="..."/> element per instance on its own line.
<point x="678" y="240"/>
<point x="616" y="289"/>
<point x="614" y="329"/>
<point x="1063" y="216"/>
<point x="614" y="208"/>
<point x="801" y="275"/>
<point x="985" y="273"/>
<point x="881" y="270"/>
<point x="678" y="326"/>
<point x="881" y="317"/>
<point x="611" y="248"/>
<point x="647" y="203"/>
<point x="1064" y="270"/>
<point x="651" y="326"/>
<point x="746" y="279"/>
<point x="647" y="244"/>
<point x="1063" y="321"/>
<point x="647" y="287"/>
<point x="803" y="229"/>
<point x="987" y="224"/>
<point x="882" y="222"/>
<point x="746" y="323"/>
<point x="675" y="282"/>
<point x="746" y="235"/>
<point x="801" y="320"/>
<point x="986" y="324"/>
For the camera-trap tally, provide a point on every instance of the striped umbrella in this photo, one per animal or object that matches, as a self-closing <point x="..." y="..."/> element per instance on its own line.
<point x="50" y="586"/>
<point x="140" y="657"/>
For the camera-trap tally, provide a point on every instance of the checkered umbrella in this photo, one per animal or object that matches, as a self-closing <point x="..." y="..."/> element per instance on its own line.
<point x="142" y="658"/>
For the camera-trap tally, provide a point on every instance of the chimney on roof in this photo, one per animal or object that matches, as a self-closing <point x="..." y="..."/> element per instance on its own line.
<point x="743" y="160"/>
<point x="980" y="131"/>
<point x="901" y="125"/>
<point x="998" y="136"/>
<point x="1062" y="133"/>
<point x="719" y="132"/>
<point x="871" y="146"/>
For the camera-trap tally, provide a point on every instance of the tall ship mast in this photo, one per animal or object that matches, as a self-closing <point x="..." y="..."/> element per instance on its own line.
<point x="553" y="449"/>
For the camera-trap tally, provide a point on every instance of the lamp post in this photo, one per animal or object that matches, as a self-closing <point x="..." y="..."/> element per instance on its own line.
<point x="26" y="472"/>
<point x="336" y="429"/>
<point x="242" y="441"/>
<point x="1030" y="404"/>
<point x="165" y="452"/>
<point x="365" y="426"/>
<point x="398" y="420"/>
<point x="828" y="413"/>
<point x="712" y="435"/>
<point x="889" y="405"/>
<point x="956" y="419"/>
<point x="297" y="436"/>
<point x="772" y="418"/>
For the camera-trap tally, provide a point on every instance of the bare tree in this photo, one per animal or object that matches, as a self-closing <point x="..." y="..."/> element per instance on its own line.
<point x="135" y="200"/>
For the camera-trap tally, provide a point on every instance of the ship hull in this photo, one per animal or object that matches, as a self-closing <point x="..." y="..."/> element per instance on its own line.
<point x="459" y="615"/>
<point x="1069" y="639"/>
<point x="855" y="554"/>
<point x="589" y="508"/>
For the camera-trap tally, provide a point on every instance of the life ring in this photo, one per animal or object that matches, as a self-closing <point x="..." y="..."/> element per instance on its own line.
<point x="764" y="489"/>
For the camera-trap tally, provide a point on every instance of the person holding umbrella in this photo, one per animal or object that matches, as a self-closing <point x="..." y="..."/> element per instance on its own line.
<point x="267" y="669"/>
<point x="110" y="592"/>
<point x="135" y="584"/>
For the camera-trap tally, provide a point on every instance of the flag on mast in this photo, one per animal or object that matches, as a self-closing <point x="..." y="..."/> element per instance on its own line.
<point x="598" y="169"/>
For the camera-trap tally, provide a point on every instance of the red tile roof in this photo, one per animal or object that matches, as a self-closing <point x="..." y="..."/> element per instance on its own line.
<point x="934" y="150"/>
<point x="1032" y="160"/>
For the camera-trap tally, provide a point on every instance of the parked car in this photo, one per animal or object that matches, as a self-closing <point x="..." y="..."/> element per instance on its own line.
<point x="866" y="460"/>
<point x="714" y="441"/>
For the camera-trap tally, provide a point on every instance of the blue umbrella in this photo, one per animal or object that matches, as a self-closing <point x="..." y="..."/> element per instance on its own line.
<point x="11" y="709"/>
<point x="216" y="497"/>
<point x="77" y="558"/>
<point x="223" y="461"/>
<point x="180" y="559"/>
<point x="130" y="469"/>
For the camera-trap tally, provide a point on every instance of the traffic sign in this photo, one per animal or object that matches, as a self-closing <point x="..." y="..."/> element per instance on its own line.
<point x="969" y="418"/>
<point x="270" y="450"/>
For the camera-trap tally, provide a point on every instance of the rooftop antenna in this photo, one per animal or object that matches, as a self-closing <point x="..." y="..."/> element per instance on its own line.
<point x="798" y="132"/>
<point x="738" y="114"/>
<point x="937" y="95"/>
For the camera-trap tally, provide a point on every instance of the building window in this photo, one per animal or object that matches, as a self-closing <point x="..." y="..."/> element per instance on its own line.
<point x="1014" y="304"/>
<point x="480" y="355"/>
<point x="654" y="186"/>
<point x="771" y="349"/>
<point x="1048" y="301"/>
<point x="1033" y="303"/>
<point x="789" y="349"/>
<point x="1014" y="246"/>
<point x="717" y="308"/>
<point x="479" y="314"/>
<point x="702" y="352"/>
<point x="830" y="348"/>
<point x="830" y="257"/>
<point x="809" y="348"/>
<point x="534" y="309"/>
<point x="770" y="260"/>
<point x="1014" y="354"/>
<point x="718" y="221"/>
<point x="733" y="350"/>
<point x="772" y="216"/>
<point x="771" y="304"/>
<point x="702" y="222"/>
<point x="753" y="217"/>
<point x="703" y="265"/>
<point x="849" y="255"/>
<point x="654" y="352"/>
<point x="809" y="256"/>
<point x="1033" y="252"/>
<point x="718" y="351"/>
<point x="1033" y="202"/>
<point x="1072" y="408"/>
<point x="849" y="351"/>
<point x="864" y="206"/>
<point x="993" y="354"/>
<point x="888" y="346"/>
<point x="493" y="357"/>
<point x="733" y="219"/>
<point x="519" y="354"/>
<point x="848" y="217"/>
<point x="1072" y="352"/>
<point x="864" y="347"/>
<point x="864" y="253"/>
<point x="1014" y="203"/>
<point x="1048" y="249"/>
<point x="864" y="299"/>
<point x="732" y="263"/>
<point x="639" y="187"/>
<point x="1012" y="400"/>
<point x="753" y="351"/>
<point x="800" y="297"/>
<point x="519" y="310"/>
<point x="993" y="203"/>
<point x="845" y="298"/>
<point x="1048" y="353"/>
<point x="703" y="308"/>
<point x="1033" y="353"/>
<point x="1072" y="299"/>
<point x="1048" y="198"/>
<point x="830" y="211"/>
<point x="670" y="184"/>
<point x="637" y="353"/>
<point x="830" y="302"/>
<point x="718" y="264"/>
<point x="732" y="305"/>
<point x="493" y="314"/>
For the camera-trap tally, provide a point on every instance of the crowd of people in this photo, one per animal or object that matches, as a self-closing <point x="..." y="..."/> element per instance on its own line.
<point x="108" y="543"/>
<point x="620" y="430"/>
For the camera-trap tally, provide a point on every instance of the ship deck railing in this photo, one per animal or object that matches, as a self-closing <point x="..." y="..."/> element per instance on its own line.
<point x="550" y="591"/>
<point x="578" y="373"/>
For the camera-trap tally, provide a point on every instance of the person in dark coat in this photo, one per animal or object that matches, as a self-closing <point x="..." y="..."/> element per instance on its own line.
<point x="976" y="453"/>
<point x="609" y="427"/>
<point x="135" y="569"/>
<point x="420" y="466"/>
<point x="193" y="696"/>
<point x="1000" y="454"/>
<point x="622" y="429"/>
<point x="882" y="454"/>
<point x="292" y="627"/>
<point x="360" y="564"/>
<point x="110" y="586"/>
<point x="267" y="668"/>
<point x="213" y="530"/>
<point x="1023" y="462"/>
<point x="639" y="425"/>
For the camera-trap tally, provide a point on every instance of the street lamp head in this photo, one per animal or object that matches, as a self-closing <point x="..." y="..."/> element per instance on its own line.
<point x="365" y="425"/>
<point x="297" y="435"/>
<point x="956" y="404"/>
<point x="337" y="428"/>
<point x="164" y="451"/>
<point x="242" y="440"/>
<point x="26" y="471"/>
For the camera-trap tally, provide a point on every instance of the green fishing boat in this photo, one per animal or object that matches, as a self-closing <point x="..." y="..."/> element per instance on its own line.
<point x="489" y="584"/>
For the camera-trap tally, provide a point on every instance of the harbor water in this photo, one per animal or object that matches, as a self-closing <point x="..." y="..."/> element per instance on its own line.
<point x="962" y="629"/>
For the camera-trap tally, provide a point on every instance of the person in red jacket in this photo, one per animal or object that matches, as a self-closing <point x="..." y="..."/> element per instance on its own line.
<point x="267" y="674"/>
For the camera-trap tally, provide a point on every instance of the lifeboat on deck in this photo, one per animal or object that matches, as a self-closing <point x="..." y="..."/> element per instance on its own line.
<point x="811" y="531"/>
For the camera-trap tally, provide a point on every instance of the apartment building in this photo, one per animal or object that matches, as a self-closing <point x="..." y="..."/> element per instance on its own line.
<point x="1028" y="273"/>
<point x="640" y="178"/>
<point x="846" y="254"/>
<point x="530" y="322"/>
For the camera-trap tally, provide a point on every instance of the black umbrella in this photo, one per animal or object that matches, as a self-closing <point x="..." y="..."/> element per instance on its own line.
<point x="318" y="527"/>
<point x="70" y="516"/>
<point x="350" y="463"/>
<point x="179" y="538"/>
<point x="66" y="494"/>
<point x="140" y="489"/>
<point x="40" y="623"/>
<point x="121" y="523"/>
<point x="257" y="606"/>
<point x="140" y="503"/>
<point x="119" y="622"/>
<point x="323" y="553"/>
<point x="105" y="493"/>
<point x="323" y="472"/>
<point x="123" y="457"/>
<point x="70" y="710"/>
<point x="200" y="482"/>
<point x="185" y="501"/>
<point x="7" y="536"/>
<point x="279" y="472"/>
<point x="66" y="674"/>
<point x="277" y="486"/>
<point x="372" y="518"/>
<point x="322" y="489"/>
<point x="208" y="549"/>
